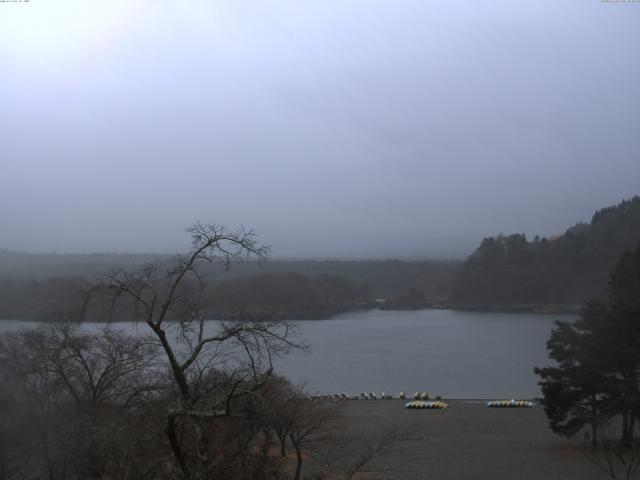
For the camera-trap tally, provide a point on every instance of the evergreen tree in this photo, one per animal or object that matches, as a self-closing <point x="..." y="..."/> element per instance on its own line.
<point x="620" y="340"/>
<point x="597" y="376"/>
<point x="509" y="271"/>
<point x="577" y="391"/>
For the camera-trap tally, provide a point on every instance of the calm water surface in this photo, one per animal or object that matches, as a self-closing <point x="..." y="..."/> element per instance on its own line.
<point x="444" y="352"/>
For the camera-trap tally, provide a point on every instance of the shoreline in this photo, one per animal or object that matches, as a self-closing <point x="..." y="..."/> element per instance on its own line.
<point x="536" y="310"/>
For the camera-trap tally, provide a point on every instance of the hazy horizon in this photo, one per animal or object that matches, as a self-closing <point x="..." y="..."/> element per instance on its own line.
<point x="334" y="129"/>
<point x="436" y="250"/>
<point x="445" y="248"/>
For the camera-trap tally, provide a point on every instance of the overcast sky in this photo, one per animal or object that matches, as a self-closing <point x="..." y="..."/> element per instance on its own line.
<point x="333" y="128"/>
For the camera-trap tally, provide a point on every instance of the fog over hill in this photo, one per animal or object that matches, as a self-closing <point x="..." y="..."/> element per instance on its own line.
<point x="350" y="129"/>
<point x="567" y="269"/>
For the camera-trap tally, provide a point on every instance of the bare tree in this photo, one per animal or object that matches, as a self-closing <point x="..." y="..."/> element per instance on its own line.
<point x="16" y="448"/>
<point x="280" y="409"/>
<point x="311" y="424"/>
<point x="191" y="399"/>
<point x="107" y="367"/>
<point x="168" y="297"/>
<point x="68" y="392"/>
<point x="617" y="458"/>
<point x="319" y="434"/>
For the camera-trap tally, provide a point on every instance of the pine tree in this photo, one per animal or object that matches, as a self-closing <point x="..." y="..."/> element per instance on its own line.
<point x="597" y="376"/>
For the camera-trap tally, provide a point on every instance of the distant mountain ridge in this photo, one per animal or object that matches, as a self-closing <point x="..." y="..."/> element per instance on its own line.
<point x="42" y="265"/>
<point x="510" y="271"/>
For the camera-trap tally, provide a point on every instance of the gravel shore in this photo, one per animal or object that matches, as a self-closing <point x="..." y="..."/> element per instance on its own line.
<point x="468" y="441"/>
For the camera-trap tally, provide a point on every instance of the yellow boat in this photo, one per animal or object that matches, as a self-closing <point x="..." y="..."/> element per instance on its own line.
<point x="510" y="404"/>
<point x="429" y="405"/>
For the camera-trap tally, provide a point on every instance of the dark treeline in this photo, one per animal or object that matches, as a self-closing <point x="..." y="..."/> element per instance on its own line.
<point x="504" y="272"/>
<point x="385" y="278"/>
<point x="264" y="295"/>
<point x="288" y="295"/>
<point x="39" y="266"/>
<point x="511" y="271"/>
<point x="37" y="287"/>
<point x="22" y="299"/>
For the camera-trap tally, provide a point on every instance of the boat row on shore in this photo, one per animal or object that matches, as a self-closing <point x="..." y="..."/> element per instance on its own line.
<point x="439" y="405"/>
<point x="420" y="400"/>
<point x="419" y="404"/>
<point x="371" y="396"/>
<point x="510" y="404"/>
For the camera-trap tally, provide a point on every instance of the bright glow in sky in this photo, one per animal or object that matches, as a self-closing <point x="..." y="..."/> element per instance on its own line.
<point x="333" y="127"/>
<point x="45" y="33"/>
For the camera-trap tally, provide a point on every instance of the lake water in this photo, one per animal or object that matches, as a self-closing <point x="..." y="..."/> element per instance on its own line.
<point x="443" y="352"/>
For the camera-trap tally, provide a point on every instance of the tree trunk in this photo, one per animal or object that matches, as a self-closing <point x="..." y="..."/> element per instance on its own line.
<point x="626" y="429"/>
<point x="283" y="447"/>
<point x="175" y="445"/>
<point x="594" y="421"/>
<point x="178" y="373"/>
<point x="202" y="441"/>
<point x="298" y="462"/>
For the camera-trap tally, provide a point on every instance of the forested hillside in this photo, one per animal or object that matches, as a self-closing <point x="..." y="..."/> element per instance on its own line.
<point x="503" y="272"/>
<point x="385" y="278"/>
<point x="511" y="271"/>
<point x="273" y="295"/>
<point x="286" y="295"/>
<point x="37" y="286"/>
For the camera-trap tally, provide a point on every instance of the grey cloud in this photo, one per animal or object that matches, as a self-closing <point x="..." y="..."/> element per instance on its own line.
<point x="333" y="128"/>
